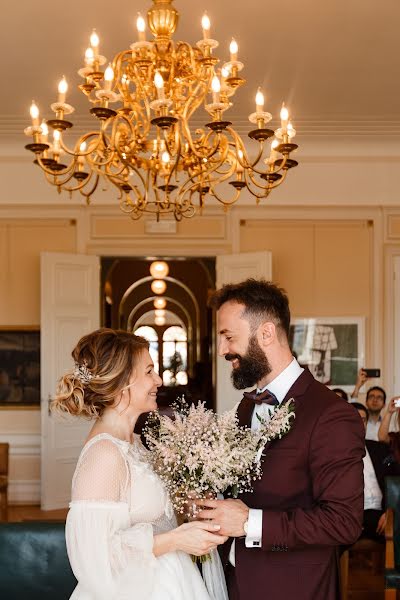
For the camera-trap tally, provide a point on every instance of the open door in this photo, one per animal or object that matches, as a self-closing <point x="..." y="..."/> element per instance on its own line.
<point x="70" y="308"/>
<point x="232" y="269"/>
<point x="396" y="329"/>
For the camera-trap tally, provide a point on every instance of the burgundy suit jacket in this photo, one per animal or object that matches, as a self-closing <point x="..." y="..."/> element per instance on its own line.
<point x="311" y="494"/>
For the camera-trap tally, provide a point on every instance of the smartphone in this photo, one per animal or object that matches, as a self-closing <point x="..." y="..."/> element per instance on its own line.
<point x="373" y="372"/>
<point x="397" y="403"/>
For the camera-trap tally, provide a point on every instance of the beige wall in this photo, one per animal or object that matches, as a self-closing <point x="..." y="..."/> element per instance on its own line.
<point x="21" y="242"/>
<point x="325" y="267"/>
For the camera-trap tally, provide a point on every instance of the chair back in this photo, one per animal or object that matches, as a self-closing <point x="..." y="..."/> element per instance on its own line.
<point x="392" y="487"/>
<point x="4" y="450"/>
<point x="34" y="561"/>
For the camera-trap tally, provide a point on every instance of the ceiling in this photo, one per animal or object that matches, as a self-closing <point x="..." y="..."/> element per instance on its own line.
<point x="336" y="63"/>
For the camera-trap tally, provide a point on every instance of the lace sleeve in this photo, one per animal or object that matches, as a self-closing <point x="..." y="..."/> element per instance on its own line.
<point x="102" y="474"/>
<point x="107" y="554"/>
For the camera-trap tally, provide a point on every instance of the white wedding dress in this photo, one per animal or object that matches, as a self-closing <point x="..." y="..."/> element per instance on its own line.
<point x="118" y="504"/>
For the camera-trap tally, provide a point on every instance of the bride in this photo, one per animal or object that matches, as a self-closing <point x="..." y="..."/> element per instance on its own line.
<point x="122" y="537"/>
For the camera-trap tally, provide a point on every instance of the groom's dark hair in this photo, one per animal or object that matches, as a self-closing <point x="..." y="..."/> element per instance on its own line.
<point x="263" y="300"/>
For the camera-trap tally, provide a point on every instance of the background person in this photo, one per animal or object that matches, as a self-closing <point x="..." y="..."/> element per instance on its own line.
<point x="389" y="430"/>
<point x="376" y="468"/>
<point x="374" y="401"/>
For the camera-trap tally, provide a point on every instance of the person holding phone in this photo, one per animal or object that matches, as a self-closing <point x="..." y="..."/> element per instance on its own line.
<point x="389" y="430"/>
<point x="374" y="401"/>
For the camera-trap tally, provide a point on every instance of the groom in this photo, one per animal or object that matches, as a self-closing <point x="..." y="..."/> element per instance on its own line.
<point x="285" y="535"/>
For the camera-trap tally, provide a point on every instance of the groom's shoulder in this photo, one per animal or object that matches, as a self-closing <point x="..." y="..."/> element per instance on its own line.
<point x="317" y="398"/>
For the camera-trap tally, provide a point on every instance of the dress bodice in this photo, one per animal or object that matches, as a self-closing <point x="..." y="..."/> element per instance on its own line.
<point x="137" y="483"/>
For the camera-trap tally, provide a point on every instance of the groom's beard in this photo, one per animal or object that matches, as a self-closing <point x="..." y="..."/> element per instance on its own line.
<point x="253" y="366"/>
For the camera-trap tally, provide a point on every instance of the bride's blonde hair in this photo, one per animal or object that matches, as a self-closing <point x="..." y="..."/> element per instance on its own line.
<point x="104" y="361"/>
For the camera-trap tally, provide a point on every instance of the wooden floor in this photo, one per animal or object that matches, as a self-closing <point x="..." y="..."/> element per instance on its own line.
<point x="365" y="572"/>
<point x="366" y="581"/>
<point x="33" y="513"/>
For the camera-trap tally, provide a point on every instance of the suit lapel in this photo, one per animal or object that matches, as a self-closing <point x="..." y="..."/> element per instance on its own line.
<point x="295" y="393"/>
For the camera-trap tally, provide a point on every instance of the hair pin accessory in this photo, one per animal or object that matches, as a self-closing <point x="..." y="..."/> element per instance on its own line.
<point x="82" y="373"/>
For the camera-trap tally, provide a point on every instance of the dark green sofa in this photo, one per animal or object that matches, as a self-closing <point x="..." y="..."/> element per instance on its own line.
<point x="33" y="562"/>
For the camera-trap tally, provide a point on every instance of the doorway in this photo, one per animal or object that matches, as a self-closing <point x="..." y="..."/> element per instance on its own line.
<point x="176" y="320"/>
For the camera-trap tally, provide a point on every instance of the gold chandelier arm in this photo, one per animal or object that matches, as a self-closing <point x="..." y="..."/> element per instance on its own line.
<point x="226" y="203"/>
<point x="79" y="185"/>
<point x="55" y="177"/>
<point x="92" y="190"/>
<point x="245" y="163"/>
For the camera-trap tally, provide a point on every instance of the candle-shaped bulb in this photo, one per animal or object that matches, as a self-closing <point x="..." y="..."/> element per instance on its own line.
<point x="216" y="88"/>
<point x="89" y="56"/>
<point x="94" y="42"/>
<point x="45" y="132"/>
<point x="108" y="78"/>
<point x="34" y="112"/>
<point x="291" y="130"/>
<point x="141" y="27"/>
<point x="259" y="101"/>
<point x="284" y="118"/>
<point x="56" y="140"/>
<point x="205" y="25"/>
<point x="233" y="50"/>
<point x="224" y="72"/>
<point x="273" y="154"/>
<point x="159" y="83"/>
<point x="165" y="157"/>
<point x="82" y="149"/>
<point x="44" y="128"/>
<point x="62" y="90"/>
<point x="239" y="167"/>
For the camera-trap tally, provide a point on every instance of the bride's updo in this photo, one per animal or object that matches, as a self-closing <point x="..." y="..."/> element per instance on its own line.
<point x="104" y="360"/>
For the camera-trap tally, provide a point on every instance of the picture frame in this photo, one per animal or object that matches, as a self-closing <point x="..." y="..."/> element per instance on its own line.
<point x="19" y="367"/>
<point x="333" y="348"/>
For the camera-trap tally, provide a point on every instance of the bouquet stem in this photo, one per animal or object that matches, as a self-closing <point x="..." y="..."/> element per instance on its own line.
<point x="200" y="559"/>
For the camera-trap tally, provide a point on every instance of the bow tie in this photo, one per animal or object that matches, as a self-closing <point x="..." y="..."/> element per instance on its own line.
<point x="264" y="397"/>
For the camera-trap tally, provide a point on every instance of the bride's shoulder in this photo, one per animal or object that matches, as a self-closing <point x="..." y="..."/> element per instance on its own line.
<point x="104" y="447"/>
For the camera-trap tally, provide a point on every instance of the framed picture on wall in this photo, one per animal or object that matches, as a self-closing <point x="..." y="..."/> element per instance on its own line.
<point x="333" y="348"/>
<point x="19" y="367"/>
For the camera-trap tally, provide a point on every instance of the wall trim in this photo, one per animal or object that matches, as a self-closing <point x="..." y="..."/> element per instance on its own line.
<point x="24" y="491"/>
<point x="22" y="444"/>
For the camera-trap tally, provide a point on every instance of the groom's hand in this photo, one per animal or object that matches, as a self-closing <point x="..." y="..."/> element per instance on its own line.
<point x="229" y="514"/>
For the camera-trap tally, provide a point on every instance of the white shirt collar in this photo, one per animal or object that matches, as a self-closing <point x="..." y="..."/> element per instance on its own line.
<point x="284" y="381"/>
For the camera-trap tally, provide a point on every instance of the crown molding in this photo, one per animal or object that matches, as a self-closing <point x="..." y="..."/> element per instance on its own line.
<point x="314" y="127"/>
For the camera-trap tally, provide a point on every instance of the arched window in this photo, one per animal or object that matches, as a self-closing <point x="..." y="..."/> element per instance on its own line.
<point x="150" y="334"/>
<point x="174" y="355"/>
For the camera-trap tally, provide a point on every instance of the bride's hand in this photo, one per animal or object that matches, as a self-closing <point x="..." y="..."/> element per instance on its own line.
<point x="197" y="537"/>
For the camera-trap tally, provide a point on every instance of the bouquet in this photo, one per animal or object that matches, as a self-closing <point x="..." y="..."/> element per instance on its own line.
<point x="199" y="454"/>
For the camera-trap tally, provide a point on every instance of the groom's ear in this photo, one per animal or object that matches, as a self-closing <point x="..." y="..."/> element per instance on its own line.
<point x="267" y="334"/>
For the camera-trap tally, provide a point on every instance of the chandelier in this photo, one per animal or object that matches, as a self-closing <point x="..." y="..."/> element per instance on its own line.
<point x="145" y="143"/>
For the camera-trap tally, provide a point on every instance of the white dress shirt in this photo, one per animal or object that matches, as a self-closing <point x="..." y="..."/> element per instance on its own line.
<point x="372" y="491"/>
<point x="372" y="429"/>
<point x="279" y="387"/>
